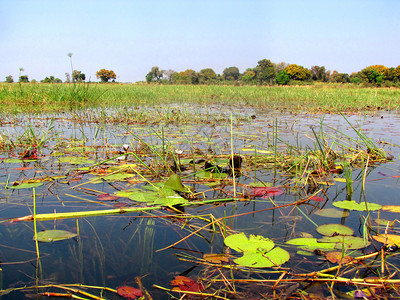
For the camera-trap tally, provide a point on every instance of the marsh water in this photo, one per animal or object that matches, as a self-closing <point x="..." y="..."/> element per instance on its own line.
<point x="112" y="250"/>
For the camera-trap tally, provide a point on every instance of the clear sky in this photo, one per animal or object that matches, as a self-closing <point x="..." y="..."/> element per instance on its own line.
<point x="130" y="36"/>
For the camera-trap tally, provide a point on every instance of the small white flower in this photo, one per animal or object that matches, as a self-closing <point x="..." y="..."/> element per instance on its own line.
<point x="178" y="151"/>
<point x="125" y="147"/>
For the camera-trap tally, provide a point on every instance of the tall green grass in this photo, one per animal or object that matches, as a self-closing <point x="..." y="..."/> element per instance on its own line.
<point x="315" y="98"/>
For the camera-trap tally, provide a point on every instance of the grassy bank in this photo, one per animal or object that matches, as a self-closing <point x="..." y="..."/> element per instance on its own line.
<point x="15" y="98"/>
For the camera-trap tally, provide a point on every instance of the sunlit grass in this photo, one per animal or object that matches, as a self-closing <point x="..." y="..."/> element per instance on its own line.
<point x="315" y="98"/>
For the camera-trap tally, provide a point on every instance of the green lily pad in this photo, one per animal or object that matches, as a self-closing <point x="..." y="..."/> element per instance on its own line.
<point x="174" y="183"/>
<point x="334" y="229"/>
<point x="346" y="242"/>
<point x="258" y="251"/>
<point x="353" y="205"/>
<point x="332" y="213"/>
<point x="311" y="244"/>
<point x="241" y="243"/>
<point x="54" y="235"/>
<point x="26" y="185"/>
<point x="13" y="160"/>
<point x="142" y="196"/>
<point x="273" y="258"/>
<point x="75" y="160"/>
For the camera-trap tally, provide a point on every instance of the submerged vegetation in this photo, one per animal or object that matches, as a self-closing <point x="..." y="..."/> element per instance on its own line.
<point x="222" y="206"/>
<point x="39" y="98"/>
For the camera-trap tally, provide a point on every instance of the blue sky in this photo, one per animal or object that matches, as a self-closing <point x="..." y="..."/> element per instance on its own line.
<point x="130" y="37"/>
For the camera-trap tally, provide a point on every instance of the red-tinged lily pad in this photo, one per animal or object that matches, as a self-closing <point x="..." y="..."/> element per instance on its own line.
<point x="129" y="292"/>
<point x="336" y="257"/>
<point x="318" y="199"/>
<point x="107" y="197"/>
<point x="266" y="191"/>
<point x="183" y="284"/>
<point x="216" y="258"/>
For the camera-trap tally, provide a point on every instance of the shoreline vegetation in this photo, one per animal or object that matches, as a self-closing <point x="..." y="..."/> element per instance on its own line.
<point x="320" y="97"/>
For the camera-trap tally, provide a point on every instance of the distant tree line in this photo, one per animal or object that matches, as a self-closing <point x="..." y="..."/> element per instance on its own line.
<point x="269" y="73"/>
<point x="77" y="76"/>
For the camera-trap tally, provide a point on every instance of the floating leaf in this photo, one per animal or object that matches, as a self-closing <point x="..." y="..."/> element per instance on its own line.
<point x="174" y="183"/>
<point x="340" y="179"/>
<point x="143" y="196"/>
<point x="75" y="160"/>
<point x="184" y="283"/>
<point x="211" y="175"/>
<point x="260" y="259"/>
<point x="317" y="199"/>
<point x="13" y="160"/>
<point x="215" y="258"/>
<point x="25" y="185"/>
<point x="257" y="251"/>
<point x="54" y="235"/>
<point x="390" y="239"/>
<point x="336" y="257"/>
<point x="334" y="229"/>
<point x="353" y="205"/>
<point x="332" y="213"/>
<point x="266" y="191"/>
<point x="129" y="292"/>
<point x="260" y="184"/>
<point x="241" y="243"/>
<point x="346" y="242"/>
<point x="391" y="208"/>
<point x="310" y="244"/>
<point x="107" y="197"/>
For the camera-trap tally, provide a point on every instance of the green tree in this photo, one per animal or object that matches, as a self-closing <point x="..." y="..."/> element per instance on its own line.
<point x="155" y="74"/>
<point x="78" y="76"/>
<point x="231" y="73"/>
<point x="189" y="76"/>
<point x="265" y="71"/>
<point x="105" y="75"/>
<point x="396" y="73"/>
<point x="297" y="72"/>
<point x="249" y="76"/>
<point x="282" y="78"/>
<point x="9" y="79"/>
<point x="207" y="75"/>
<point x="374" y="74"/>
<point x="341" y="78"/>
<point x="318" y="73"/>
<point x="23" y="78"/>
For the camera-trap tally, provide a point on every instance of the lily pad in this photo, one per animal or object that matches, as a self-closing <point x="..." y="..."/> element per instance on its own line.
<point x="311" y="244"/>
<point x="390" y="239"/>
<point x="353" y="205"/>
<point x="258" y="251"/>
<point x="75" y="160"/>
<point x="346" y="242"/>
<point x="332" y="213"/>
<point x="13" y="160"/>
<point x="241" y="243"/>
<point x="174" y="183"/>
<point x="54" y="235"/>
<point x="334" y="229"/>
<point x="391" y="208"/>
<point x="274" y="258"/>
<point x="25" y="185"/>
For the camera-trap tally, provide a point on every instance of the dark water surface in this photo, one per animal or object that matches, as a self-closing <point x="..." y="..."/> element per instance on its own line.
<point x="112" y="250"/>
